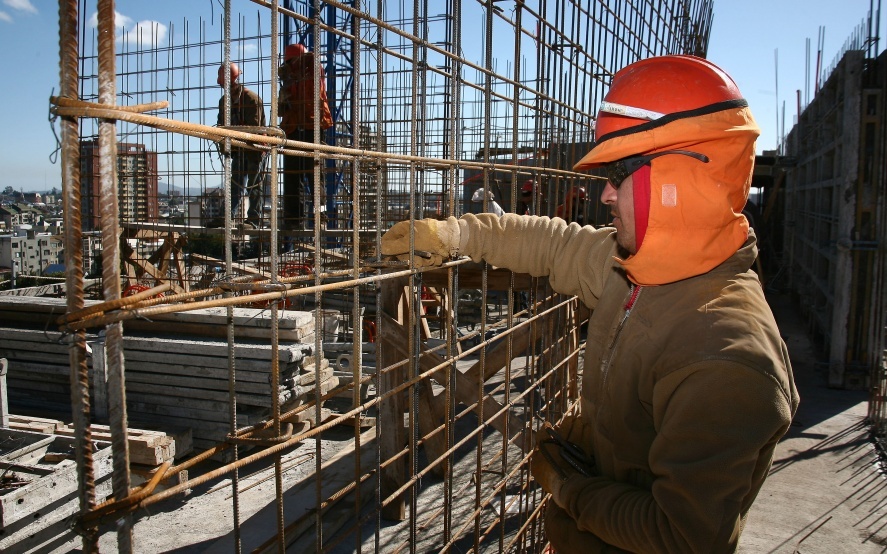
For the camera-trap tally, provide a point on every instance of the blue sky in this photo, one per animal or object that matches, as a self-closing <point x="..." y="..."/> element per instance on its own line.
<point x="745" y="36"/>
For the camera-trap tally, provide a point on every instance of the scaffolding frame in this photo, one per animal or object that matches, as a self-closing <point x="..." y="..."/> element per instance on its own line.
<point x="424" y="115"/>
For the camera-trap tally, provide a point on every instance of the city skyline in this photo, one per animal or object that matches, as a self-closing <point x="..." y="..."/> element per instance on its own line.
<point x="764" y="46"/>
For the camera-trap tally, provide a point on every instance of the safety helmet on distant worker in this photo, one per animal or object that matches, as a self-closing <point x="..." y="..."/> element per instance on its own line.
<point x="293" y="51"/>
<point x="656" y="87"/>
<point x="577" y="193"/>
<point x="235" y="73"/>
<point x="527" y="188"/>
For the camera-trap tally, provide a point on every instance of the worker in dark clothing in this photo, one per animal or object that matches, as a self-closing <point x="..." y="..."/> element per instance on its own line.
<point x="247" y="166"/>
<point x="302" y="106"/>
<point x="525" y="202"/>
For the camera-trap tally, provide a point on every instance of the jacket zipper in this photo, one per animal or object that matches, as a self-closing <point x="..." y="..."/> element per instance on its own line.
<point x="632" y="299"/>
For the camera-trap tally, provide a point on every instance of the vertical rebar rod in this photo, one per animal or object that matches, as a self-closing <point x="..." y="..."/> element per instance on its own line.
<point x="111" y="267"/>
<point x="79" y="374"/>
<point x="487" y="132"/>
<point x="454" y="140"/>
<point x="229" y="311"/>
<point x="356" y="219"/>
<point x="414" y="320"/>
<point x="382" y="201"/>
<point x="275" y="313"/>
<point x="317" y="186"/>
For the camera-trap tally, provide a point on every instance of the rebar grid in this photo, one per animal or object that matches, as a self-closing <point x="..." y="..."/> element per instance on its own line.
<point x="427" y="107"/>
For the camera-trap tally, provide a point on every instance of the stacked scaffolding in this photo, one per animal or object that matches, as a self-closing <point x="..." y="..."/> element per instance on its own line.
<point x="428" y="107"/>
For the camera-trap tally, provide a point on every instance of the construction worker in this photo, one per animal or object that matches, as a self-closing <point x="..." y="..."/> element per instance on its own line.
<point x="296" y="104"/>
<point x="525" y="203"/>
<point x="247" y="166"/>
<point x="573" y="208"/>
<point x="687" y="385"/>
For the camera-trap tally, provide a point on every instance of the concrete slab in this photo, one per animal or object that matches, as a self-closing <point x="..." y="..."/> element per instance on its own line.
<point x="826" y="492"/>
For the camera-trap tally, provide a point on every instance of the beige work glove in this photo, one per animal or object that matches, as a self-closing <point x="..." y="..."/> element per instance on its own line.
<point x="560" y="455"/>
<point x="435" y="241"/>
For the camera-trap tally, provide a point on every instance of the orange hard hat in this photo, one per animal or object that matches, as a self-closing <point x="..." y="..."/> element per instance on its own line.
<point x="235" y="73"/>
<point x="293" y="51"/>
<point x="655" y="87"/>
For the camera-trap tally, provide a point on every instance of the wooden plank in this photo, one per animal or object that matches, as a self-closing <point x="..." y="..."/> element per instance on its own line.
<point x="243" y="317"/>
<point x="185" y="381"/>
<point x="39" y="370"/>
<point x="432" y="414"/>
<point x="239" y="268"/>
<point x="208" y="367"/>
<point x="391" y="410"/>
<point x="15" y="354"/>
<point x="496" y="357"/>
<point x="216" y="331"/>
<point x="200" y="428"/>
<point x="466" y="387"/>
<point x="41" y="492"/>
<point x="4" y="398"/>
<point x="142" y="450"/>
<point x="34" y="424"/>
<point x="37" y="384"/>
<point x="19" y="341"/>
<point x="41" y="529"/>
<point x="206" y="347"/>
<point x="471" y="277"/>
<point x="29" y="442"/>
<point x="45" y="305"/>
<point x="193" y="394"/>
<point x="198" y="419"/>
<point x="142" y="267"/>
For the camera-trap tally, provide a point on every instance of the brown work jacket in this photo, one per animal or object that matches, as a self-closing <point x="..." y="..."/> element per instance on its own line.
<point x="685" y="390"/>
<point x="296" y="101"/>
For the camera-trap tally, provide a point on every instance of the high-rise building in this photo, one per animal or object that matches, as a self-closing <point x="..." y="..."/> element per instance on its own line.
<point x="136" y="183"/>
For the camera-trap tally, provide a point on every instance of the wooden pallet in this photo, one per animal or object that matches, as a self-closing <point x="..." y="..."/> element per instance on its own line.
<point x="145" y="446"/>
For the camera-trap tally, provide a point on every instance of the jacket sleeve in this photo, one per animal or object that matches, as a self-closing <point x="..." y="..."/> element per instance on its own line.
<point x="717" y="426"/>
<point x="576" y="259"/>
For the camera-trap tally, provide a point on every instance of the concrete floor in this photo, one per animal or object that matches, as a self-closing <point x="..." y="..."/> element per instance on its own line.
<point x="826" y="491"/>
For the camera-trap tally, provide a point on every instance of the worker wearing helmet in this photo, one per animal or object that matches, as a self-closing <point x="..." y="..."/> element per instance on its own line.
<point x="525" y="202"/>
<point x="301" y="105"/>
<point x="247" y="166"/>
<point x="687" y="385"/>
<point x="573" y="208"/>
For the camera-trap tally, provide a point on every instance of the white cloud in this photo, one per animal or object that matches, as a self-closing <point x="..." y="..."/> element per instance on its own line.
<point x="21" y="5"/>
<point x="251" y="48"/>
<point x="5" y="17"/>
<point x="120" y="20"/>
<point x="146" y="33"/>
<point x="143" y="33"/>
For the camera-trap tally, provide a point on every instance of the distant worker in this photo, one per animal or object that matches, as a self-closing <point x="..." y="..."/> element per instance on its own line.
<point x="247" y="166"/>
<point x="297" y="113"/>
<point x="687" y="385"/>
<point x="493" y="207"/>
<point x="525" y="203"/>
<point x="573" y="208"/>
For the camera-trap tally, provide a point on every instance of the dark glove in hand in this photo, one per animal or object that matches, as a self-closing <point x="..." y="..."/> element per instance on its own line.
<point x="558" y="458"/>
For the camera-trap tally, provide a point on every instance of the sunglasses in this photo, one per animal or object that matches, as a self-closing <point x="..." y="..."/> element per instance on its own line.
<point x="618" y="171"/>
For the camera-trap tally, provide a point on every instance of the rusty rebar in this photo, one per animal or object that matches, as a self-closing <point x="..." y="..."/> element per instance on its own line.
<point x="109" y="221"/>
<point x="79" y="373"/>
